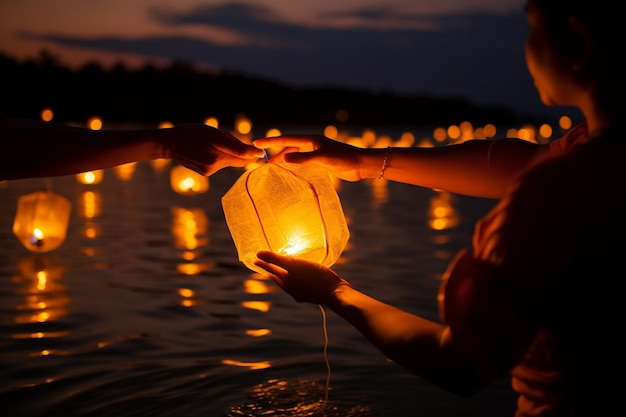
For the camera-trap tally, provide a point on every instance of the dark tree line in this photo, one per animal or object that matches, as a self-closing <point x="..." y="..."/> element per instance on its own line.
<point x="180" y="93"/>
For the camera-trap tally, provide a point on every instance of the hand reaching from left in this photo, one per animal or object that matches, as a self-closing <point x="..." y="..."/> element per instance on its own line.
<point x="206" y="150"/>
<point x="305" y="281"/>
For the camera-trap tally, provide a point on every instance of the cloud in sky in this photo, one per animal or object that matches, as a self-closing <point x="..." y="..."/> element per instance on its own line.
<point x="476" y="54"/>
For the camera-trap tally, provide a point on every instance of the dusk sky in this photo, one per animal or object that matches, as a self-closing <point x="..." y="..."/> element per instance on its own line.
<point x="472" y="49"/>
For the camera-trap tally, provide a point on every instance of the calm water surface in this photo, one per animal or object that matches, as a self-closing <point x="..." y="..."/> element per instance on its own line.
<point x="145" y="310"/>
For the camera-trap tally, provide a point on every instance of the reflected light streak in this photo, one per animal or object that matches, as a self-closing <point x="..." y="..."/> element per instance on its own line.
<point x="250" y="365"/>
<point x="262" y="306"/>
<point x="194" y="268"/>
<point x="90" y="204"/>
<point x="258" y="332"/>
<point x="45" y="297"/>
<point x="187" y="225"/>
<point x="252" y="286"/>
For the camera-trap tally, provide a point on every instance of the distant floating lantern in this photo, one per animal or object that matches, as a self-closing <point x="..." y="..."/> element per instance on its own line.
<point x="41" y="220"/>
<point x="289" y="209"/>
<point x="90" y="177"/>
<point x="186" y="181"/>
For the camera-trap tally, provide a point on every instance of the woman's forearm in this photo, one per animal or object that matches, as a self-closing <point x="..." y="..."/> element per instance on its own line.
<point x="478" y="168"/>
<point x="417" y="344"/>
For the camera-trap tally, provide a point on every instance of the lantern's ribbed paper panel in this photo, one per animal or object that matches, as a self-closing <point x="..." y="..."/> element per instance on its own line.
<point x="289" y="209"/>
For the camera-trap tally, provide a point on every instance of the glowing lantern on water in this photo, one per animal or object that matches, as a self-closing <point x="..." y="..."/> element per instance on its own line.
<point x="41" y="220"/>
<point x="186" y="181"/>
<point x="289" y="209"/>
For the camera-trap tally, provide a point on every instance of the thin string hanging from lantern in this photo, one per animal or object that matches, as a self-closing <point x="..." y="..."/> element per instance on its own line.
<point x="326" y="361"/>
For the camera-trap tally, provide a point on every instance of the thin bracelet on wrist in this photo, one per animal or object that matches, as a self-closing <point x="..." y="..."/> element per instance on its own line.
<point x="386" y="162"/>
<point x="332" y="294"/>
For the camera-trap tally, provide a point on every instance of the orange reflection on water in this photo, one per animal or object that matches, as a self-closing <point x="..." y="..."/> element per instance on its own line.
<point x="45" y="297"/>
<point x="263" y="306"/>
<point x="380" y="191"/>
<point x="441" y="214"/>
<point x="194" y="268"/>
<point x="90" y="204"/>
<point x="187" y="295"/>
<point x="250" y="365"/>
<point x="187" y="227"/>
<point x="258" y="332"/>
<point x="253" y="286"/>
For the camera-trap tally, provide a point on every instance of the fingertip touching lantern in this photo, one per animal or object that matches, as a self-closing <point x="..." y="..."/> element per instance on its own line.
<point x="289" y="209"/>
<point x="41" y="220"/>
<point x="186" y="181"/>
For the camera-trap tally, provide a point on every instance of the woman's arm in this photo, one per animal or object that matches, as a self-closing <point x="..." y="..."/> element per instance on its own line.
<point x="417" y="344"/>
<point x="478" y="168"/>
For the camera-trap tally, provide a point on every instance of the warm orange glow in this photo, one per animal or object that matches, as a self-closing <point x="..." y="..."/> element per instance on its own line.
<point x="212" y="121"/>
<point x="368" y="137"/>
<point x="186" y="181"/>
<point x="295" y="243"/>
<point x="47" y="115"/>
<point x="250" y="365"/>
<point x="243" y="125"/>
<point x="272" y="133"/>
<point x="159" y="164"/>
<point x="90" y="177"/>
<point x="165" y="124"/>
<point x="330" y="131"/>
<point x="356" y="141"/>
<point x="90" y="204"/>
<point x="441" y="213"/>
<point x="259" y="332"/>
<point x="490" y="130"/>
<point x="252" y="286"/>
<point x="262" y="306"/>
<point x="191" y="269"/>
<point x="45" y="297"/>
<point x="407" y="139"/>
<point x="425" y="143"/>
<point x="545" y="131"/>
<point x="440" y="134"/>
<point x="479" y="133"/>
<point x="125" y="172"/>
<point x="380" y="191"/>
<point x="185" y="292"/>
<point x="41" y="220"/>
<point x="189" y="228"/>
<point x="565" y="122"/>
<point x="91" y="232"/>
<point x="512" y="133"/>
<point x="453" y="132"/>
<point x="383" y="141"/>
<point x="94" y="123"/>
<point x="293" y="209"/>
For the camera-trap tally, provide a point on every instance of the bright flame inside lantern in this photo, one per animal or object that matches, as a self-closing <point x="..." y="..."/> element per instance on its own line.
<point x="37" y="237"/>
<point x="289" y="209"/>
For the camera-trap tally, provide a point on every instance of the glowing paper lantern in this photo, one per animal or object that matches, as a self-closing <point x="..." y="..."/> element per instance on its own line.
<point x="41" y="220"/>
<point x="288" y="209"/>
<point x="186" y="181"/>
